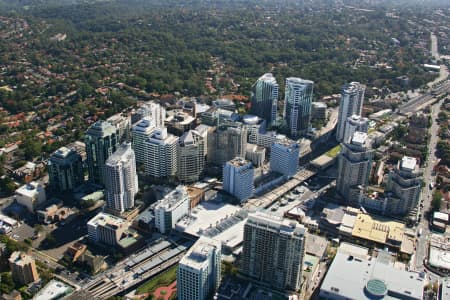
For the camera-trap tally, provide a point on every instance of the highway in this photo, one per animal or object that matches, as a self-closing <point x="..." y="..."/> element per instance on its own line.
<point x="426" y="196"/>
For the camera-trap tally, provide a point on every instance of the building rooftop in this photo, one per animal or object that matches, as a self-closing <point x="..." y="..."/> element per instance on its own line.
<point x="377" y="230"/>
<point x="282" y="225"/>
<point x="268" y="77"/>
<point x="408" y="163"/>
<point x="121" y="154"/>
<point x="20" y="258"/>
<point x="299" y="80"/>
<point x="352" y="87"/>
<point x="359" y="138"/>
<point x="62" y="152"/>
<point x="319" y="104"/>
<point x="30" y="189"/>
<point x="101" y="129"/>
<point x="197" y="255"/>
<point x="106" y="219"/>
<point x="238" y="162"/>
<point x="160" y="136"/>
<point x="204" y="216"/>
<point x="174" y="197"/>
<point x="54" y="290"/>
<point x="145" y="126"/>
<point x="354" y="277"/>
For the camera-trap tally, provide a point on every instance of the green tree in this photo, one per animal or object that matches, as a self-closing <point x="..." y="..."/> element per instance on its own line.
<point x="7" y="284"/>
<point x="437" y="200"/>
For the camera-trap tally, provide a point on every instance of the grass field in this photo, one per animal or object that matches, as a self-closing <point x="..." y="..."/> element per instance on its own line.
<point x="334" y="152"/>
<point x="165" y="278"/>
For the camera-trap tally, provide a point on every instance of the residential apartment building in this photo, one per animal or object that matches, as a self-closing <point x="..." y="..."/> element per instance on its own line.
<point x="284" y="155"/>
<point x="106" y="228"/>
<point x="404" y="186"/>
<point x="273" y="251"/>
<point x="199" y="271"/>
<point x="226" y="143"/>
<point x="65" y="170"/>
<point x="161" y="154"/>
<point x="238" y="176"/>
<point x="121" y="182"/>
<point x="191" y="156"/>
<point x="23" y="268"/>
<point x="170" y="209"/>
<point x="101" y="141"/>
<point x="352" y="99"/>
<point x="354" y="164"/>
<point x="141" y="132"/>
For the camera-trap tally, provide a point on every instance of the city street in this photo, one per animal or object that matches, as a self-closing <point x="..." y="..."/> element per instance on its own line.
<point x="427" y="193"/>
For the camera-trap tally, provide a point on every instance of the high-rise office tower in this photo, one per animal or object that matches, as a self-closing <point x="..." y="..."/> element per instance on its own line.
<point x="199" y="271"/>
<point x="284" y="156"/>
<point x="352" y="99"/>
<point x="152" y="110"/>
<point x="23" y="268"/>
<point x="65" y="169"/>
<point x="238" y="176"/>
<point x="404" y="186"/>
<point x="121" y="179"/>
<point x="101" y="141"/>
<point x="226" y="143"/>
<point x="273" y="251"/>
<point x="265" y="98"/>
<point x="140" y="132"/>
<point x="354" y="164"/>
<point x="355" y="123"/>
<point x="161" y="154"/>
<point x="191" y="156"/>
<point x="297" y="105"/>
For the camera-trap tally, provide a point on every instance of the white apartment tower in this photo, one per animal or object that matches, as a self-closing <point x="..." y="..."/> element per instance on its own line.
<point x="352" y="99"/>
<point x="191" y="156"/>
<point x="161" y="154"/>
<point x="154" y="111"/>
<point x="404" y="186"/>
<point x="284" y="155"/>
<point x="355" y="123"/>
<point x="297" y="105"/>
<point x="264" y="98"/>
<point x="273" y="251"/>
<point x="238" y="176"/>
<point x="170" y="209"/>
<point x="354" y="164"/>
<point x="140" y="132"/>
<point x="121" y="179"/>
<point x="199" y="271"/>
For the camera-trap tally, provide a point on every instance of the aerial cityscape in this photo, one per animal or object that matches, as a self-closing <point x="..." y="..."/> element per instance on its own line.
<point x="226" y="150"/>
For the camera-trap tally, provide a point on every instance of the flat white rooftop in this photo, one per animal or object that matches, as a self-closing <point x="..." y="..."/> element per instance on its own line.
<point x="54" y="290"/>
<point x="205" y="215"/>
<point x="408" y="163"/>
<point x="359" y="138"/>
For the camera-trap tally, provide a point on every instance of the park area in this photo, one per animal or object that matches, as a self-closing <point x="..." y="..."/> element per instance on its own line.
<point x="160" y="287"/>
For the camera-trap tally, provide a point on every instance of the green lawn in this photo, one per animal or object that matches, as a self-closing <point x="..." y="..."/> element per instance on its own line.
<point x="334" y="152"/>
<point x="163" y="279"/>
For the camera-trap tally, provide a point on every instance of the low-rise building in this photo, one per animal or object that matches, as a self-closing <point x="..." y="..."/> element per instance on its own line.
<point x="54" y="290"/>
<point x="30" y="195"/>
<point x="106" y="228"/>
<point x="353" y="275"/>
